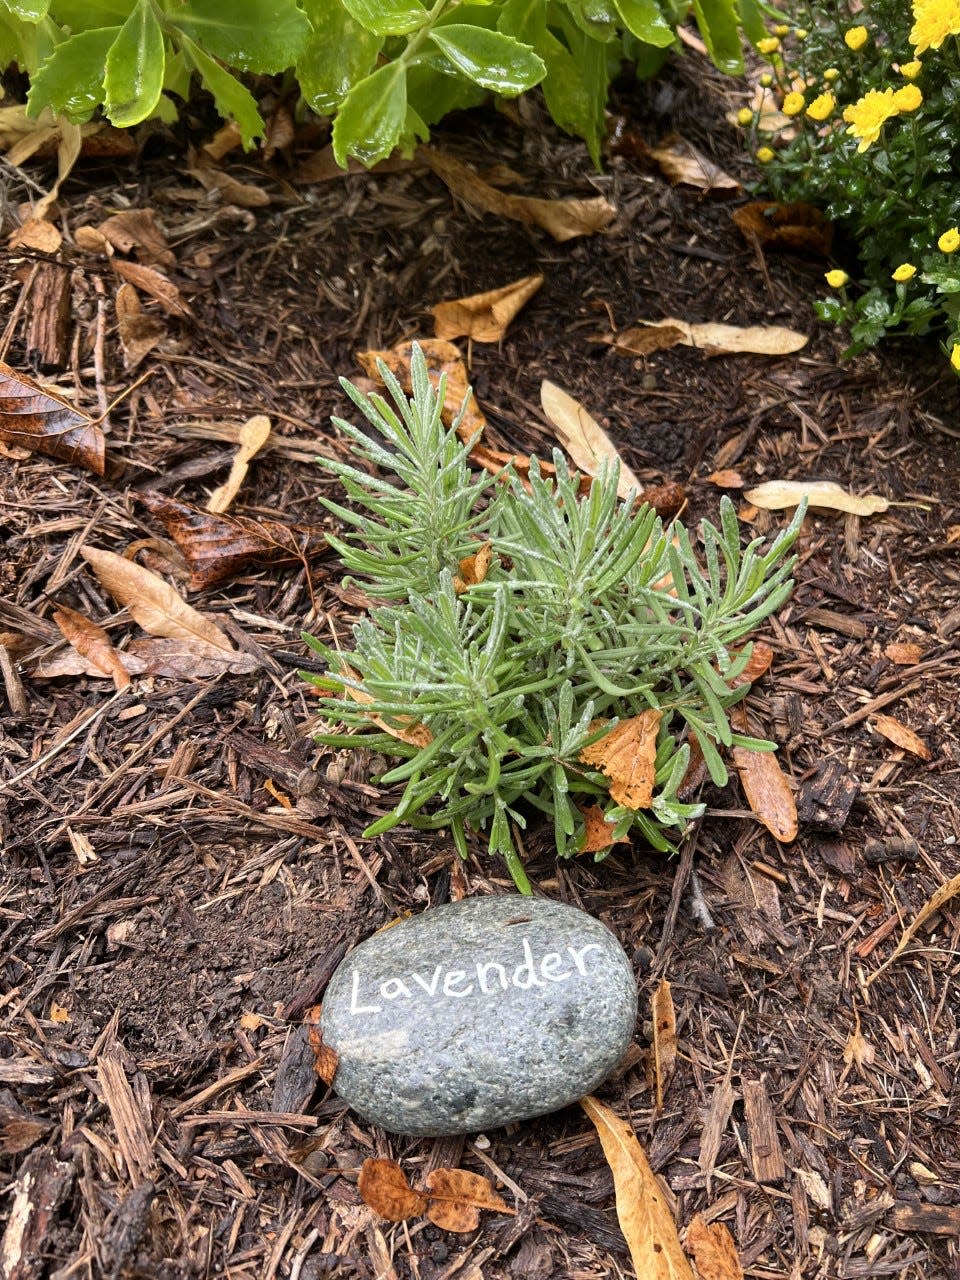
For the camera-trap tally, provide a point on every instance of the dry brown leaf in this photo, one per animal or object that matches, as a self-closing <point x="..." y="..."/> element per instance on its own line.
<point x="664" y="1018"/>
<point x="406" y="729"/>
<point x="713" y="1250"/>
<point x="484" y="317"/>
<point x="765" y="785"/>
<point x="92" y="241"/>
<point x="778" y="495"/>
<point x="37" y="418"/>
<point x="726" y="479"/>
<point x="139" y="332"/>
<point x="279" y="131"/>
<point x="758" y="664"/>
<point x="384" y="1187"/>
<point x="153" y="282"/>
<point x="28" y="136"/>
<point x="473" y="569"/>
<point x="929" y="908"/>
<point x="93" y="643"/>
<point x="627" y="755"/>
<point x="680" y="162"/>
<point x="645" y="1220"/>
<point x="325" y="1057"/>
<point x="217" y="547"/>
<point x="441" y="357"/>
<point x="858" y="1051"/>
<point x="175" y="659"/>
<point x="901" y="736"/>
<point x="152" y="602"/>
<point x="226" y="139"/>
<point x="563" y="219"/>
<point x="254" y="434"/>
<point x="36" y="233"/>
<point x="713" y="339"/>
<point x="136" y="229"/>
<point x="242" y="194"/>
<point x="597" y="831"/>
<point x="321" y="166"/>
<point x="583" y="438"/>
<point x="905" y="654"/>
<point x="456" y="1197"/>
<point x="799" y="227"/>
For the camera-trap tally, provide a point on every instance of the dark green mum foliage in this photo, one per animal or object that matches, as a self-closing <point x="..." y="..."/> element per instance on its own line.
<point x="591" y="613"/>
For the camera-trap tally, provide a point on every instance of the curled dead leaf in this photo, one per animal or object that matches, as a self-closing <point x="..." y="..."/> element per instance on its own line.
<point x="627" y="755"/>
<point x="664" y="1018"/>
<point x="456" y="1197"/>
<point x="37" y="418"/>
<point x="155" y="283"/>
<point x="597" y="831"/>
<point x="798" y="227"/>
<point x="484" y="317"/>
<point x="711" y="338"/>
<point x="442" y="357"/>
<point x="136" y="230"/>
<point x="779" y="495"/>
<point x="765" y="785"/>
<point x="588" y="445"/>
<point x="406" y="729"/>
<point x="901" y="736"/>
<point x="325" y="1057"/>
<point x="139" y="333"/>
<point x="563" y="219"/>
<point x="254" y="434"/>
<point x="758" y="664"/>
<point x="904" y="655"/>
<point x="384" y="1187"/>
<point x="90" y="640"/>
<point x="473" y="569"/>
<point x="713" y="1250"/>
<point x="681" y="162"/>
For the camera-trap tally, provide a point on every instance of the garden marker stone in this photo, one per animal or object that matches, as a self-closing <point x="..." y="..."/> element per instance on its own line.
<point x="478" y="1013"/>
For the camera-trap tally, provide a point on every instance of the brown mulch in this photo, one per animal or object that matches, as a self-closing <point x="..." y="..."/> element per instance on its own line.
<point x="183" y="867"/>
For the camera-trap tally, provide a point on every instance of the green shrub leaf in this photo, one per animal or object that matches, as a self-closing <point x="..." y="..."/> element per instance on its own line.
<point x="388" y="17"/>
<point x="29" y="10"/>
<point x="234" y="101"/>
<point x="258" y="35"/>
<point x="372" y="116"/>
<point x="71" y="79"/>
<point x="336" y="55"/>
<point x="490" y="59"/>
<point x="644" y="19"/>
<point x="718" y="22"/>
<point x="134" y="68"/>
<point x="86" y="15"/>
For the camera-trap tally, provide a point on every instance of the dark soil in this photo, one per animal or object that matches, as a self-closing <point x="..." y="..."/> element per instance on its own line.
<point x="182" y="867"/>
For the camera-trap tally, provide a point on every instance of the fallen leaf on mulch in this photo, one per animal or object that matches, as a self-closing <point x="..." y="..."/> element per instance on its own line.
<point x="441" y="357"/>
<point x="904" y="654"/>
<point x="28" y="136"/>
<point x="583" y="438"/>
<point x="765" y="785"/>
<point x="136" y="230"/>
<point x="681" y="163"/>
<point x="798" y="227"/>
<point x="646" y="1222"/>
<point x="254" y="434"/>
<point x="217" y="546"/>
<point x="325" y="1058"/>
<point x="406" y="729"/>
<point x="713" y="1250"/>
<point x="473" y="569"/>
<point x="712" y="339"/>
<point x="152" y="602"/>
<point x="90" y="640"/>
<point x="170" y="658"/>
<point x="758" y="664"/>
<point x="627" y="755"/>
<point x="929" y="908"/>
<point x="321" y="166"/>
<point x="858" y="1051"/>
<point x="230" y="190"/>
<point x="452" y="1201"/>
<point x="155" y="283"/>
<point x="777" y="495"/>
<point x="901" y="736"/>
<point x="36" y="233"/>
<point x="36" y="418"/>
<point x="597" y="831"/>
<point x="664" y="1018"/>
<point x="484" y="317"/>
<point x="139" y="332"/>
<point x="563" y="219"/>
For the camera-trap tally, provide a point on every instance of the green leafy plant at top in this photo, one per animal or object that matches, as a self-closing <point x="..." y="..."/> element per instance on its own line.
<point x="872" y="94"/>
<point x="385" y="70"/>
<point x="591" y="613"/>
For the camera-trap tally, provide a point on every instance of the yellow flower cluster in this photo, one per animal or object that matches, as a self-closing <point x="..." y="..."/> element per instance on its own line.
<point x="933" y="21"/>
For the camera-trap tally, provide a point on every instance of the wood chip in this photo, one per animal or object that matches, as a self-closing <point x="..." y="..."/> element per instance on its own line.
<point x="766" y="1156"/>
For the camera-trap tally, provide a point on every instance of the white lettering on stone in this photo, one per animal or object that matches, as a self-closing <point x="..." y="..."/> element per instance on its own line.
<point x="453" y="979"/>
<point x="491" y="978"/>
<point x="549" y="963"/>
<point x="361" y="1008"/>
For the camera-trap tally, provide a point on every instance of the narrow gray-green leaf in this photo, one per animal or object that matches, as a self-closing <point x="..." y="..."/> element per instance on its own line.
<point x="134" y="68"/>
<point x="371" y="116"/>
<point x="388" y="17"/>
<point x="490" y="59"/>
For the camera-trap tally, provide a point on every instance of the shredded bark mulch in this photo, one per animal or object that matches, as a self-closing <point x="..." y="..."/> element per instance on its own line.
<point x="183" y="867"/>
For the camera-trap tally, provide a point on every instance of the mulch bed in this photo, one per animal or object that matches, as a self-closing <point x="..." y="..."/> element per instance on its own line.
<point x="183" y="867"/>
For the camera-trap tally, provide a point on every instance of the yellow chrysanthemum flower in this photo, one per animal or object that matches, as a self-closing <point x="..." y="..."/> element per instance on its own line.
<point x="801" y="33"/>
<point x="822" y="107"/>
<point x="934" y="20"/>
<point x="855" y="37"/>
<point x="744" y="115"/>
<point x="905" y="271"/>
<point x="908" y="98"/>
<point x="766" y="80"/>
<point x="793" y="104"/>
<point x="765" y="155"/>
<point x="781" y="30"/>
<point x="910" y="70"/>
<point x="831" y="74"/>
<point x="949" y="242"/>
<point x="955" y="356"/>
<point x="836" y="278"/>
<point x="867" y="116"/>
<point x="769" y="44"/>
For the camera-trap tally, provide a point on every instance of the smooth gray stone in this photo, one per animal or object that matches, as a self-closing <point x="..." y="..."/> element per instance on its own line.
<point x="479" y="1013"/>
